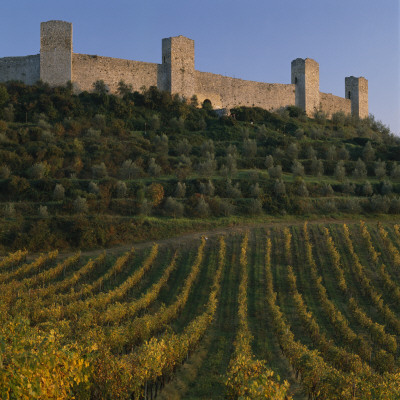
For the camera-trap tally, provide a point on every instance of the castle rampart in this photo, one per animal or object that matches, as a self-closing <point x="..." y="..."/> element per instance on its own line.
<point x="57" y="65"/>
<point x="331" y="104"/>
<point x="25" y="69"/>
<point x="87" y="69"/>
<point x="226" y="92"/>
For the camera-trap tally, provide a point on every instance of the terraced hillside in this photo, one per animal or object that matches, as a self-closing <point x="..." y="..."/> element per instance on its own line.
<point x="279" y="311"/>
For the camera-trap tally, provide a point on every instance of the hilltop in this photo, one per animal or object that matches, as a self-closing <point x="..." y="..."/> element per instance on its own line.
<point x="97" y="169"/>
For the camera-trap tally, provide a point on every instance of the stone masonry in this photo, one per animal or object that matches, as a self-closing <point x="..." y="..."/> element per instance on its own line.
<point x="57" y="65"/>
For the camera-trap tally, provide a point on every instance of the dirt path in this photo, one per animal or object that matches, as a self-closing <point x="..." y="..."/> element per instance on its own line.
<point x="183" y="239"/>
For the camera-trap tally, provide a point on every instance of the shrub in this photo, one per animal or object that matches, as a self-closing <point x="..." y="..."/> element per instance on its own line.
<point x="297" y="168"/>
<point x="59" y="192"/>
<point x="180" y="190"/>
<point x="279" y="187"/>
<point x="121" y="189"/>
<point x="275" y="172"/>
<point x="5" y="172"/>
<point x="80" y="205"/>
<point x="173" y="208"/>
<point x="202" y="209"/>
<point x="99" y="171"/>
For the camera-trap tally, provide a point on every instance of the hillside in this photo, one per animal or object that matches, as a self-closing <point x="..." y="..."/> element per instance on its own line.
<point x="277" y="290"/>
<point x="95" y="170"/>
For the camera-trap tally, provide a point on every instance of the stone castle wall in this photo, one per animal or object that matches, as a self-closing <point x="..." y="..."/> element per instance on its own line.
<point x="331" y="104"/>
<point x="87" y="69"/>
<point x="57" y="65"/>
<point x="226" y="92"/>
<point x="25" y="69"/>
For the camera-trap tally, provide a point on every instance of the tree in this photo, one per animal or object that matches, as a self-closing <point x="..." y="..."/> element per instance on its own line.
<point x="173" y="208"/>
<point x="395" y="173"/>
<point x="124" y="89"/>
<point x="208" y="166"/>
<point x="194" y="101"/>
<point x="254" y="207"/>
<point x="231" y="167"/>
<point x="249" y="148"/>
<point x="4" y="96"/>
<point x="153" y="168"/>
<point x="145" y="207"/>
<point x="348" y="188"/>
<point x="368" y="152"/>
<point x="326" y="189"/>
<point x="93" y="134"/>
<point x="184" y="167"/>
<point x="343" y="154"/>
<point x="297" y="168"/>
<point x="99" y="121"/>
<point x="380" y="169"/>
<point x="156" y="193"/>
<point x="232" y="151"/>
<point x="340" y="171"/>
<point x="207" y="147"/>
<point x="269" y="161"/>
<point x="177" y="124"/>
<point x="330" y="154"/>
<point x="184" y="147"/>
<point x="93" y="188"/>
<point x="161" y="144"/>
<point x="4" y="172"/>
<point x="43" y="212"/>
<point x="255" y="190"/>
<point x="9" y="210"/>
<point x="99" y="171"/>
<point x="292" y="151"/>
<point x="360" y="170"/>
<point x="155" y="122"/>
<point x="233" y="191"/>
<point x="310" y="152"/>
<point x="225" y="208"/>
<point x="279" y="187"/>
<point x="80" y="205"/>
<point x="275" y="172"/>
<point x="180" y="190"/>
<point x="301" y="187"/>
<point x="386" y="187"/>
<point x="100" y="87"/>
<point x="202" y="209"/>
<point x="121" y="189"/>
<point x="339" y="118"/>
<point x="367" y="189"/>
<point x="39" y="170"/>
<point x="317" y="167"/>
<point x="130" y="170"/>
<point x="207" y="189"/>
<point x="59" y="192"/>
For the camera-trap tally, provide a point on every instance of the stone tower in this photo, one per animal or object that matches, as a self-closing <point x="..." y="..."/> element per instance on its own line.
<point x="305" y="75"/>
<point x="56" y="52"/>
<point x="178" y="66"/>
<point x="356" y="89"/>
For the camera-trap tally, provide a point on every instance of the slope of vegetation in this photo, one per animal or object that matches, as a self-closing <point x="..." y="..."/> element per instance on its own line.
<point x="91" y="170"/>
<point x="296" y="311"/>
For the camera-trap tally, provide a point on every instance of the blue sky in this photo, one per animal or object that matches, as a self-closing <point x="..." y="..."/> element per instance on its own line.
<point x="248" y="39"/>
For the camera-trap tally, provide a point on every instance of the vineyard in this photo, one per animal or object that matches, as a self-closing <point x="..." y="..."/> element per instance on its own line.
<point x="301" y="311"/>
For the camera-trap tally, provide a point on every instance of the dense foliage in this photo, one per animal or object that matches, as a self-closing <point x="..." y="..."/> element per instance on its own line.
<point x="88" y="170"/>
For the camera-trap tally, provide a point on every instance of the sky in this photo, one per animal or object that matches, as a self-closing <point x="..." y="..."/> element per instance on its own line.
<point x="247" y="39"/>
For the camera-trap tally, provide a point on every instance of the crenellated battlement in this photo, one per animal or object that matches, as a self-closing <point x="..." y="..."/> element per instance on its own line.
<point x="57" y="65"/>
